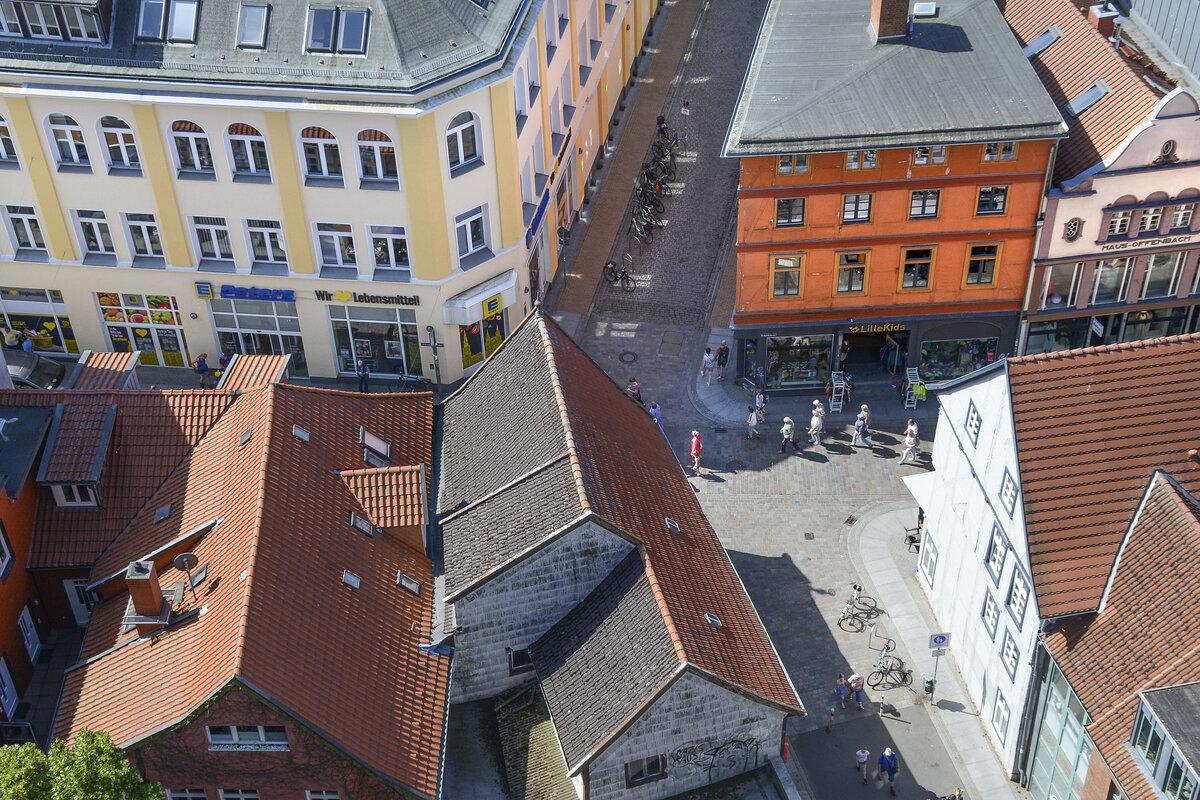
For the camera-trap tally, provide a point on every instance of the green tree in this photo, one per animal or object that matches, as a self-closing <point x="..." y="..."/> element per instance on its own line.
<point x="94" y="769"/>
<point x="24" y="773"/>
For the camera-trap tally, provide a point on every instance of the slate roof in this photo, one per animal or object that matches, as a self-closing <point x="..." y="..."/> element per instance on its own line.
<point x="1070" y="66"/>
<point x="1092" y="426"/>
<point x="625" y="473"/>
<point x="411" y="46"/>
<point x="599" y="664"/>
<point x="817" y="82"/>
<point x="20" y="445"/>
<point x="1178" y="709"/>
<point x="246" y="371"/>
<point x="278" y="616"/>
<point x="1110" y="657"/>
<point x="533" y="761"/>
<point x="99" y="372"/>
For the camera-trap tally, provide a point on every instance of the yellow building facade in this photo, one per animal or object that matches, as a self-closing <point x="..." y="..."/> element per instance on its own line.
<point x="334" y="183"/>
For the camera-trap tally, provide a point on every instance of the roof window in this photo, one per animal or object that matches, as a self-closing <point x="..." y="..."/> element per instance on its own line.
<point x="362" y="524"/>
<point x="712" y="619"/>
<point x="1042" y="41"/>
<point x="74" y="494"/>
<point x="351" y="580"/>
<point x="924" y="9"/>
<point x="338" y="30"/>
<point x="162" y="513"/>
<point x="672" y="525"/>
<point x="245" y="437"/>
<point x="252" y="27"/>
<point x="376" y="452"/>
<point x="300" y="433"/>
<point x="408" y="582"/>
<point x="1086" y="99"/>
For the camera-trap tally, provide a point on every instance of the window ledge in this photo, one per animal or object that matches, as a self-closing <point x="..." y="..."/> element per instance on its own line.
<point x="213" y="265"/>
<point x="79" y="168"/>
<point x="30" y="254"/>
<point x="522" y="119"/>
<point x="324" y="180"/>
<point x="380" y="184"/>
<point x="584" y="73"/>
<point x="923" y="216"/>
<point x="251" y="177"/>
<point x="197" y="175"/>
<point x="789" y="224"/>
<point x="550" y="51"/>
<point x="475" y="259"/>
<point x="9" y="163"/>
<point x="855" y="221"/>
<point x="392" y="275"/>
<point x="535" y="91"/>
<point x="989" y="213"/>
<point x="100" y="259"/>
<point x="268" y="268"/>
<point x="124" y="171"/>
<point x="465" y="167"/>
<point x="149" y="262"/>
<point x="341" y="273"/>
<point x="527" y="212"/>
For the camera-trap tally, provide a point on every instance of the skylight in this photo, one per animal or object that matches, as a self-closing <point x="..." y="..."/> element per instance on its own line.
<point x="376" y="451"/>
<point x="351" y="580"/>
<point x="672" y="525"/>
<point x="1086" y="99"/>
<point x="162" y="513"/>
<point x="1042" y="41"/>
<point x="408" y="582"/>
<point x="300" y="433"/>
<point x="712" y="619"/>
<point x="362" y="524"/>
<point x="245" y="437"/>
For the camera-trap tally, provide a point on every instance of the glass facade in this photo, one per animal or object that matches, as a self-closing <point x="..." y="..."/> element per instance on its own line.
<point x="1063" y="750"/>
<point x="384" y="338"/>
<point x="950" y="358"/>
<point x="40" y="312"/>
<point x="146" y="323"/>
<point x="1068" y="334"/>
<point x="260" y="327"/>
<point x="798" y="361"/>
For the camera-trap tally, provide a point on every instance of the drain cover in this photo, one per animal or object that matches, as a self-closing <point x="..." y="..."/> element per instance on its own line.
<point x="850" y="520"/>
<point x="734" y="466"/>
<point x="809" y="536"/>
<point x="628" y="357"/>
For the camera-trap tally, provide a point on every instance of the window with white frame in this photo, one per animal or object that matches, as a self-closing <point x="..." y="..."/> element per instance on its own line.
<point x="73" y="494"/>
<point x="932" y="154"/>
<point x="68" y="140"/>
<point x="213" y="242"/>
<point x="1010" y="654"/>
<point x="7" y="151"/>
<point x="192" y="150"/>
<point x="462" y="140"/>
<point x="9" y="24"/>
<point x="996" y="553"/>
<point x="1008" y="493"/>
<point x="856" y="207"/>
<point x="143" y="235"/>
<point x="266" y="241"/>
<point x="82" y="24"/>
<point x="338" y="30"/>
<point x="248" y="148"/>
<point x="247" y="737"/>
<point x="860" y="159"/>
<point x="1118" y="223"/>
<point x="94" y="233"/>
<point x="41" y="20"/>
<point x="389" y="247"/>
<point x="927" y="566"/>
<point x="645" y="770"/>
<point x="322" y="794"/>
<point x="1062" y="285"/>
<point x="1181" y="216"/>
<point x="239" y="794"/>
<point x="252" y="26"/>
<point x="1151" y="219"/>
<point x="187" y="794"/>
<point x="1000" y="715"/>
<point x="990" y="614"/>
<point x="999" y="151"/>
<point x="119" y="143"/>
<point x="172" y="21"/>
<point x="336" y="243"/>
<point x="26" y="232"/>
<point x="1163" y="272"/>
<point x="471" y="232"/>
<point x="1110" y="281"/>
<point x="974" y="422"/>
<point x="1018" y="596"/>
<point x="322" y="159"/>
<point x="377" y="157"/>
<point x="924" y="204"/>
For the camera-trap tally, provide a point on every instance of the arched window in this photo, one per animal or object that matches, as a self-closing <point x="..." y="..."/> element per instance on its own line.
<point x="191" y="147"/>
<point x="248" y="149"/>
<point x="118" y="141"/>
<point x="377" y="156"/>
<point x="462" y="140"/>
<point x="68" y="139"/>
<point x="7" y="151"/>
<point x="321" y="156"/>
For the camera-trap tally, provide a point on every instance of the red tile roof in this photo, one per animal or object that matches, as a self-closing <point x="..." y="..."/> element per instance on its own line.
<point x="1108" y="658"/>
<point x="393" y="497"/>
<point x="277" y="614"/>
<point x="245" y="372"/>
<point x="78" y="441"/>
<point x="1071" y="65"/>
<point x="1091" y="426"/>
<point x="103" y="371"/>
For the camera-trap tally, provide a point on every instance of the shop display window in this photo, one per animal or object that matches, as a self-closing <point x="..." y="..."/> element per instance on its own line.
<point x="260" y="327"/>
<point x="798" y="361"/>
<point x="1153" y="324"/>
<point x="479" y="340"/>
<point x="148" y="324"/>
<point x="1062" y="286"/>
<point x="950" y="358"/>
<point x="1111" y="280"/>
<point x="40" y="315"/>
<point x="386" y="339"/>
<point x="1062" y="334"/>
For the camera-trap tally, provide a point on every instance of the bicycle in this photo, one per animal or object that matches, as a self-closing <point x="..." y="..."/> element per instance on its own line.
<point x="648" y="198"/>
<point x="622" y="276"/>
<point x="415" y="383"/>
<point x="850" y="619"/>
<point x="957" y="794"/>
<point x="564" y="237"/>
<point x="889" y="672"/>
<point x="641" y="231"/>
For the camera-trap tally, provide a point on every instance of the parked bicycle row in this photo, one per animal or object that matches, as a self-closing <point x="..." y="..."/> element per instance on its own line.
<point x="858" y="614"/>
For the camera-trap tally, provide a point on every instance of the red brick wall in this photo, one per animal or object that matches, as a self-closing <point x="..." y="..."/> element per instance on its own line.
<point x="181" y="759"/>
<point x="1095" y="785"/>
<point x="889" y="17"/>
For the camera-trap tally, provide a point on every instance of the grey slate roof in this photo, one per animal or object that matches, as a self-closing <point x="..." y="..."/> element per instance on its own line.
<point x="818" y="82"/>
<point x="412" y="45"/>
<point x="1178" y="707"/>
<point x="604" y="659"/>
<point x="489" y="534"/>
<point x="21" y="443"/>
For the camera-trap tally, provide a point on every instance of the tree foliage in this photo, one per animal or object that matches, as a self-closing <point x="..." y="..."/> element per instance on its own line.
<point x="93" y="769"/>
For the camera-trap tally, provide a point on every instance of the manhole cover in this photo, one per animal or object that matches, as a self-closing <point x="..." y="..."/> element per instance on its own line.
<point x="809" y="536"/>
<point x="734" y="466"/>
<point x="628" y="357"/>
<point x="850" y="520"/>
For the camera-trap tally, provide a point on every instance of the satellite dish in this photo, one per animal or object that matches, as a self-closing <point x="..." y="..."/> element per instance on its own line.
<point x="187" y="562"/>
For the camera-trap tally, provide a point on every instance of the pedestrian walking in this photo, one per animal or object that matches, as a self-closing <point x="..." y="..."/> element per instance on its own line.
<point x="696" y="451"/>
<point x="752" y="423"/>
<point x="829" y="724"/>
<point x="861" y="756"/>
<point x="722" y="360"/>
<point x="27" y="344"/>
<point x="860" y="431"/>
<point x="866" y="412"/>
<point x="201" y="365"/>
<point x="856" y="687"/>
<point x="635" y="391"/>
<point x="912" y="443"/>
<point x="707" y="365"/>
<point x="655" y="412"/>
<point x="817" y="423"/>
<point x="788" y="435"/>
<point x="889" y="762"/>
<point x="912" y="426"/>
<point x="841" y="689"/>
<point x="364" y="376"/>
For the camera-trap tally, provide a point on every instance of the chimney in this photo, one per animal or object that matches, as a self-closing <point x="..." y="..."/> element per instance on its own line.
<point x="889" y="18"/>
<point x="142" y="580"/>
<point x="1104" y="17"/>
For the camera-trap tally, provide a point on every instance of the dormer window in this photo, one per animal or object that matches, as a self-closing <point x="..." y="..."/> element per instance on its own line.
<point x="168" y="20"/>
<point x="252" y="27"/>
<point x="338" y="30"/>
<point x="74" y="494"/>
<point x="376" y="451"/>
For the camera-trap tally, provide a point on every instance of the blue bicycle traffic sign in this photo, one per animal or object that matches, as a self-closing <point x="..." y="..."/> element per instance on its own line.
<point x="938" y="640"/>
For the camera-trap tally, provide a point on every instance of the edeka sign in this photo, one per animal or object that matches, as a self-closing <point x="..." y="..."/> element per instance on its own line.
<point x="204" y="290"/>
<point x="376" y="299"/>
<point x="886" y="327"/>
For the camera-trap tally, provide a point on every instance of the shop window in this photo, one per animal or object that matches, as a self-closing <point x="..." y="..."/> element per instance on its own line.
<point x="8" y="153"/>
<point x="94" y="233"/>
<point x="322" y="159"/>
<point x="1118" y="223"/>
<point x="918" y="263"/>
<point x="945" y="359"/>
<point x="929" y="154"/>
<point x="1110" y="281"/>
<point x="860" y="159"/>
<point x="213" y="242"/>
<point x="68" y="141"/>
<point x="385" y="338"/>
<point x="981" y="263"/>
<point x="1000" y="716"/>
<point x="1154" y="324"/>
<point x="990" y="614"/>
<point x="924" y="204"/>
<point x="479" y="340"/>
<point x="41" y="20"/>
<point x="1010" y="655"/>
<point x="248" y="150"/>
<point x="852" y="272"/>
<point x="1181" y="216"/>
<point x="146" y="324"/>
<point x="389" y="248"/>
<point x="1147" y="740"/>
<point x="1151" y="219"/>
<point x="1163" y="271"/>
<point x="1061" y="286"/>
<point x="796" y="362"/>
<point x="266" y="241"/>
<point x="119" y="144"/>
<point x="260" y="327"/>
<point x="82" y="24"/>
<point x="25" y="229"/>
<point x="252" y="26"/>
<point x="462" y="142"/>
<point x="927" y="565"/>
<point x="1052" y="337"/>
<point x="645" y="770"/>
<point x="856" y="207"/>
<point x="41" y="315"/>
<point x="786" y="276"/>
<point x="792" y="164"/>
<point x="193" y="153"/>
<point x="338" y="30"/>
<point x="143" y="235"/>
<point x="999" y="151"/>
<point x="336" y="243"/>
<point x="789" y="211"/>
<point x="377" y="158"/>
<point x="470" y="229"/>
<point x="992" y="200"/>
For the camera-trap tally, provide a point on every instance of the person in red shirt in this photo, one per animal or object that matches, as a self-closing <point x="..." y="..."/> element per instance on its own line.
<point x="695" y="452"/>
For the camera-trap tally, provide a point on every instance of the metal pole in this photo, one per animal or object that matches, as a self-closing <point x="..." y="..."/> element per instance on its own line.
<point x="936" y="660"/>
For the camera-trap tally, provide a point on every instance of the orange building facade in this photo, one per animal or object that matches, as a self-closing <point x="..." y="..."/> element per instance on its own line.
<point x="914" y="256"/>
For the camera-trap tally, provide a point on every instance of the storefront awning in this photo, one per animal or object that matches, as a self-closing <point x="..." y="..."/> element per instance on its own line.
<point x="923" y="487"/>
<point x="467" y="308"/>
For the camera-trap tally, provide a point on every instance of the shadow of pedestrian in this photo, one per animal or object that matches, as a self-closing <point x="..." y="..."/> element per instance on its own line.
<point x="840" y="449"/>
<point x="885" y="452"/>
<point x="952" y="705"/>
<point x="812" y="455"/>
<point x="712" y="476"/>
